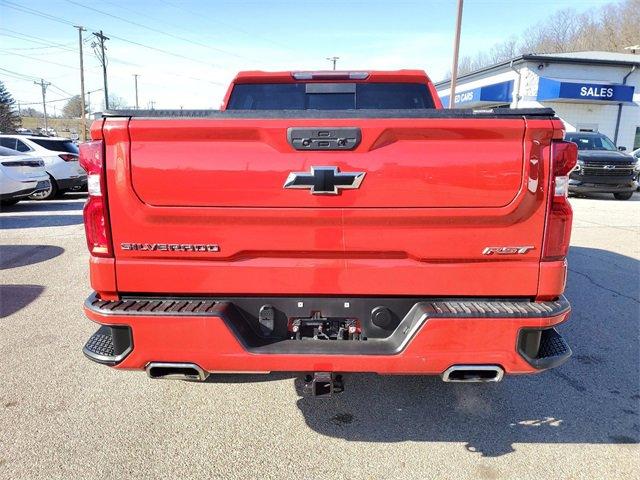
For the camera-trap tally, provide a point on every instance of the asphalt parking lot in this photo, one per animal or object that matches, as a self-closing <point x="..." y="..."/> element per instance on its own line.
<point x="62" y="416"/>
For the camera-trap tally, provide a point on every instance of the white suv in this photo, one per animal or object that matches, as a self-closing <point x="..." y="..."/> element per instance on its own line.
<point x="60" y="157"/>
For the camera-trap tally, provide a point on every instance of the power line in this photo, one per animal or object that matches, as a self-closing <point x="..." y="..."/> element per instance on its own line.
<point x="48" y="101"/>
<point x="226" y="24"/>
<point x="29" y="38"/>
<point x="24" y="77"/>
<point x="166" y="52"/>
<point x="161" y="32"/>
<point x="14" y="77"/>
<point x="121" y="62"/>
<point x="64" y="92"/>
<point x="22" y="49"/>
<point x="38" y="59"/>
<point x="31" y="11"/>
<point x="54" y="18"/>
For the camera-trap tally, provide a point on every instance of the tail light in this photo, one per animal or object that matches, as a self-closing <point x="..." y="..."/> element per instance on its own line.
<point x="557" y="234"/>
<point x="68" y="157"/>
<point x="96" y="216"/>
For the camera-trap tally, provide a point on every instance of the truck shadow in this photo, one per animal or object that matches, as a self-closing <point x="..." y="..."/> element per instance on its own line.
<point x="37" y="221"/>
<point x="57" y="205"/>
<point x="249" y="377"/>
<point x="593" y="398"/>
<point x="12" y="256"/>
<point x="15" y="297"/>
<point x="59" y="212"/>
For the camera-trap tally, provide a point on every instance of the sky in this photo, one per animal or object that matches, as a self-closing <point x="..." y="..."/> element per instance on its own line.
<point x="186" y="51"/>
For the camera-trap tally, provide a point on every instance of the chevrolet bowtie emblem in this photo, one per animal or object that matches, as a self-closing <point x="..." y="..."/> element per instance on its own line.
<point x="324" y="180"/>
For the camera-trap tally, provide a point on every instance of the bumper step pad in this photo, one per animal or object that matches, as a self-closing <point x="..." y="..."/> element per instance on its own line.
<point x="497" y="308"/>
<point x="552" y="345"/>
<point x="543" y="349"/>
<point x="153" y="306"/>
<point x="109" y="345"/>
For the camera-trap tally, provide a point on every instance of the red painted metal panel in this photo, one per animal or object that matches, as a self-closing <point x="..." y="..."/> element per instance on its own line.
<point x="407" y="163"/>
<point x="439" y="344"/>
<point x="323" y="249"/>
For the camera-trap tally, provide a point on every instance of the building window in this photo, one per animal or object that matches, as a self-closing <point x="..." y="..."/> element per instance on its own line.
<point x="636" y="141"/>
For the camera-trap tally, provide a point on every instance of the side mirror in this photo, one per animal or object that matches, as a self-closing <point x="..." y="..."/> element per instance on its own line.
<point x="622" y="149"/>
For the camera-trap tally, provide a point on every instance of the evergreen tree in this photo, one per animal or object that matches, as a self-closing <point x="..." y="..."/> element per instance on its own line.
<point x="9" y="118"/>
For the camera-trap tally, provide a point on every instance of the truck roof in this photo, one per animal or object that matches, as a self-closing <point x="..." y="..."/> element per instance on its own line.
<point x="398" y="76"/>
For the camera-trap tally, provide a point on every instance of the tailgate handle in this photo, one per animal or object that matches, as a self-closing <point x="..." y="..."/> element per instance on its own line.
<point x="324" y="138"/>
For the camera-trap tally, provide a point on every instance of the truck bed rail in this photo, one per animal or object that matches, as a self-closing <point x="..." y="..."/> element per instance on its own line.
<point x="494" y="113"/>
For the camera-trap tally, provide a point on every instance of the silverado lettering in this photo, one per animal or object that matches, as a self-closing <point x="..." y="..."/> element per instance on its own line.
<point x="170" y="247"/>
<point x="377" y="254"/>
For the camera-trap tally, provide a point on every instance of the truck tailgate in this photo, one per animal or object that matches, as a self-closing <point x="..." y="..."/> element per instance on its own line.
<point x="408" y="163"/>
<point x="436" y="193"/>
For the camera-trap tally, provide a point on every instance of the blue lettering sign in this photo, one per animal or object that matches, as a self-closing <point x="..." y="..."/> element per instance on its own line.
<point x="560" y="90"/>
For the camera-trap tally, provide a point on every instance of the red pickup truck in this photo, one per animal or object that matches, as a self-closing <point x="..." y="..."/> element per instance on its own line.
<point x="324" y="223"/>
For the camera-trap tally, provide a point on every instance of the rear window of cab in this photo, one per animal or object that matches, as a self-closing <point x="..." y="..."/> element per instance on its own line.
<point x="329" y="96"/>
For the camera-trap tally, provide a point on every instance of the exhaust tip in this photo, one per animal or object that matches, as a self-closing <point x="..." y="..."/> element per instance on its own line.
<point x="176" y="371"/>
<point x="473" y="373"/>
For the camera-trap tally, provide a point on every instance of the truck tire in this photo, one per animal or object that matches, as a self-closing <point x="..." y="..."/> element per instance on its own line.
<point x="623" y="195"/>
<point x="47" y="194"/>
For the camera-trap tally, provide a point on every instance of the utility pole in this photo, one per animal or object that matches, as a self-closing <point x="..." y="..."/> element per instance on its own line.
<point x="103" y="60"/>
<point x="135" y="79"/>
<point x="82" y="105"/>
<point x="43" y="86"/>
<point x="333" y="60"/>
<point x="456" y="51"/>
<point x="89" y="99"/>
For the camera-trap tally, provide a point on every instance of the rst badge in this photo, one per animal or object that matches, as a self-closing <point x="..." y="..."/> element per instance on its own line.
<point x="171" y="247"/>
<point x="507" y="250"/>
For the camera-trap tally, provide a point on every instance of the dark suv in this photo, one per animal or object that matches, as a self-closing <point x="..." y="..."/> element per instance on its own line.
<point x="601" y="167"/>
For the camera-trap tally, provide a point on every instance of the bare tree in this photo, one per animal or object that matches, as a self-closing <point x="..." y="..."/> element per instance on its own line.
<point x="73" y="108"/>
<point x="609" y="28"/>
<point x="115" y="102"/>
<point x="31" y="112"/>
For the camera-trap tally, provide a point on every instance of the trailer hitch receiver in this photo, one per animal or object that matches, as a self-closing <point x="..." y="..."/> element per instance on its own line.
<point x="322" y="384"/>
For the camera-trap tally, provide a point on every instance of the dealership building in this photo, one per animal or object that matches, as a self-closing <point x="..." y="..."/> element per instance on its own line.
<point x="590" y="91"/>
